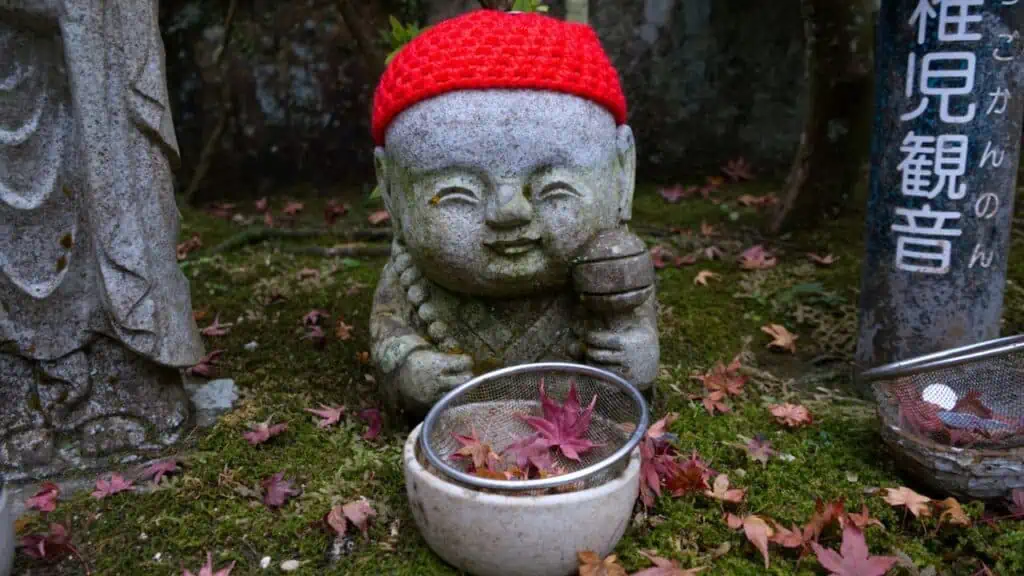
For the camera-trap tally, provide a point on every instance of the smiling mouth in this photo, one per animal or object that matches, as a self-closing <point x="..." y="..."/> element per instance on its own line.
<point x="514" y="247"/>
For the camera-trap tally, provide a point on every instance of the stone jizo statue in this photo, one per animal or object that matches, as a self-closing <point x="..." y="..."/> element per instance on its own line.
<point x="508" y="170"/>
<point x="95" y="315"/>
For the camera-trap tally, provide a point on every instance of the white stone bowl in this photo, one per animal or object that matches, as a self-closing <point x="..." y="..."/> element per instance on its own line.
<point x="495" y="535"/>
<point x="6" y="533"/>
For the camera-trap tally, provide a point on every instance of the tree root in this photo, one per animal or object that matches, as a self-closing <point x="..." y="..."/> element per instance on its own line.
<point x="262" y="234"/>
<point x="354" y="249"/>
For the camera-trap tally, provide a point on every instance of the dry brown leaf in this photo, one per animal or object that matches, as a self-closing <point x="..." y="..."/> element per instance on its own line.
<point x="343" y="331"/>
<point x="721" y="491"/>
<point x="953" y="513"/>
<point x="592" y="565"/>
<point x="665" y="567"/>
<point x="903" y="496"/>
<point x="826" y="260"/>
<point x="703" y="276"/>
<point x="782" y="339"/>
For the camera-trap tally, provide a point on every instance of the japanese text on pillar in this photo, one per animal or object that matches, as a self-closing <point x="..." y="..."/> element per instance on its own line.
<point x="941" y="82"/>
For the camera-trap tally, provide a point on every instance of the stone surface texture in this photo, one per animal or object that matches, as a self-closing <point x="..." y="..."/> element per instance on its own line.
<point x="498" y="535"/>
<point x="95" y="315"/>
<point x="495" y="196"/>
<point x="6" y="534"/>
<point x="211" y="399"/>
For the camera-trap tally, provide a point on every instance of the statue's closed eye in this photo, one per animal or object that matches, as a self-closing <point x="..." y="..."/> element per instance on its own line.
<point x="455" y="194"/>
<point x="555" y="190"/>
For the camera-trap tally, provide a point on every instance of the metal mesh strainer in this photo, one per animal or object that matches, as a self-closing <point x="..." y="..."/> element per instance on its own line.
<point x="967" y="397"/>
<point x="493" y="404"/>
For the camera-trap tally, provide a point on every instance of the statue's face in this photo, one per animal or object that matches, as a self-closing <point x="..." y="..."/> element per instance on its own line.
<point x="493" y="192"/>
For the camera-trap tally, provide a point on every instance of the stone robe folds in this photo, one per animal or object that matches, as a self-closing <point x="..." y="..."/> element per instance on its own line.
<point x="88" y="221"/>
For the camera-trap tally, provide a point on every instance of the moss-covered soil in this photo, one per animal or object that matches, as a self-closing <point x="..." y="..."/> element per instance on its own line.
<point x="266" y="288"/>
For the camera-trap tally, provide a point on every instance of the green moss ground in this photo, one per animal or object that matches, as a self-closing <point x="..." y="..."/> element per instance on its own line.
<point x="840" y="456"/>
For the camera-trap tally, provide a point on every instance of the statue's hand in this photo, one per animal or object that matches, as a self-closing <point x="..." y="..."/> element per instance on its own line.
<point x="631" y="352"/>
<point x="426" y="375"/>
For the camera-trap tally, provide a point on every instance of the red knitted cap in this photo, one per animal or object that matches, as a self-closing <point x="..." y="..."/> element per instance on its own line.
<point x="491" y="49"/>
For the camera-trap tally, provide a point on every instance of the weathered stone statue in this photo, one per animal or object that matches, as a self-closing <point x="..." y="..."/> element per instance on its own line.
<point x="95" y="315"/>
<point x="508" y="171"/>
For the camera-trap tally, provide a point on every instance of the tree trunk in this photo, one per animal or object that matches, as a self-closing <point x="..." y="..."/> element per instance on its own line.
<point x="362" y="31"/>
<point x="837" y="128"/>
<point x="577" y="10"/>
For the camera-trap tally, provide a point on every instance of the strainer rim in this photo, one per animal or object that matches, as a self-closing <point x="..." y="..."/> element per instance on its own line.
<point x="624" y="451"/>
<point x="945" y="358"/>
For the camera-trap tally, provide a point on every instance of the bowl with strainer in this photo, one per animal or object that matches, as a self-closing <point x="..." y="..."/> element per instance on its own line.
<point x="489" y="506"/>
<point x="955" y="418"/>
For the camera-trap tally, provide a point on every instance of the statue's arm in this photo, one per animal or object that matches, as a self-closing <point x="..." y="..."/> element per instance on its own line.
<point x="392" y="335"/>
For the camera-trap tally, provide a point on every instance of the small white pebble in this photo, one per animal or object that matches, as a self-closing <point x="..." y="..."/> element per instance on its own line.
<point x="251" y="346"/>
<point x="290" y="565"/>
<point x="156" y="557"/>
<point x="787" y="457"/>
<point x="940" y="395"/>
<point x="143" y="537"/>
<point x="851" y="477"/>
<point x="265" y="562"/>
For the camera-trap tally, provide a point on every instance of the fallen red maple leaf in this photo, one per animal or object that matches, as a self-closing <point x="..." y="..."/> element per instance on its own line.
<point x="756" y="529"/>
<point x="158" y="470"/>
<point x="359" y="513"/>
<point x="313" y="317"/>
<point x="263" y="431"/>
<point x="115" y="484"/>
<point x="207" y="569"/>
<point x="757" y="258"/>
<point x="787" y="537"/>
<point x="564" y="426"/>
<point x="216" y="329"/>
<point x="373" y="422"/>
<point x="862" y="520"/>
<point x="205" y="366"/>
<point x="825" y="513"/>
<point x="277" y="490"/>
<point x="690" y="475"/>
<point x="293" y="208"/>
<point x="45" y="499"/>
<point x="52" y="546"/>
<point x="713" y="402"/>
<point x="738" y="169"/>
<point x="333" y="210"/>
<point x="760" y="450"/>
<point x="672" y="194"/>
<point x="791" y="415"/>
<point x="329" y="415"/>
<point x="853" y="558"/>
<point x="378" y="217"/>
<point x="725" y="379"/>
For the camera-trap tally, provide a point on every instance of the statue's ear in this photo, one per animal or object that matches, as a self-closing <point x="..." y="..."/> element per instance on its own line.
<point x="385" y="174"/>
<point x="626" y="148"/>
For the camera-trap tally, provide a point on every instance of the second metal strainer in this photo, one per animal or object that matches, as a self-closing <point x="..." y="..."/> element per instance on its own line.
<point x="493" y="404"/>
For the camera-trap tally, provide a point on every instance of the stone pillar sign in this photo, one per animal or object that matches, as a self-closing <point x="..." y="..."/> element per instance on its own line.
<point x="944" y="165"/>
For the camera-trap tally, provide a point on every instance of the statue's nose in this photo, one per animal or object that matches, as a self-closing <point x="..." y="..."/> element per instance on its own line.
<point x="509" y="207"/>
